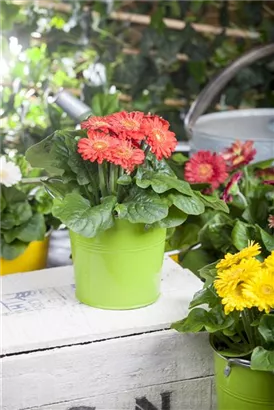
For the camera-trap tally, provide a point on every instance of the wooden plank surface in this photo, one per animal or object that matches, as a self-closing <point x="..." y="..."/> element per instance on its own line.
<point x="194" y="394"/>
<point x="124" y="368"/>
<point x="39" y="310"/>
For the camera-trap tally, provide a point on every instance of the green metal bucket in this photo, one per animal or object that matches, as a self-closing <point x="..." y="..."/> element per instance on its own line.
<point x="120" y="268"/>
<point x="240" y="388"/>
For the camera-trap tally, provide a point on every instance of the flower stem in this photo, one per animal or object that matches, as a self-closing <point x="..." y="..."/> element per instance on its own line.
<point x="247" y="320"/>
<point x="113" y="176"/>
<point x="102" y="180"/>
<point x="246" y="182"/>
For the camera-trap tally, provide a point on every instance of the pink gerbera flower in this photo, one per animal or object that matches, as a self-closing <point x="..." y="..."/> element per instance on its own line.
<point x="206" y="167"/>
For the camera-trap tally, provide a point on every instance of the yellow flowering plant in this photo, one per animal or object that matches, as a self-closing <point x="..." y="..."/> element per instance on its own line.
<point x="237" y="307"/>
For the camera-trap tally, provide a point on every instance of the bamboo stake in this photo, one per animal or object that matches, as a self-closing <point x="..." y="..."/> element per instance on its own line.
<point x="144" y="19"/>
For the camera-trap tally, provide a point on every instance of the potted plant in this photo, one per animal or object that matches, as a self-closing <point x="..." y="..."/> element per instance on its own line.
<point x="237" y="302"/>
<point x="117" y="195"/>
<point x="25" y="217"/>
<point x="246" y="187"/>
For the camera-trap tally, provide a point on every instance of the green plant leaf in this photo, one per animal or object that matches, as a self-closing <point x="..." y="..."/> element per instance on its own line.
<point x="262" y="164"/>
<point x="196" y="259"/>
<point x="268" y="240"/>
<point x="194" y="322"/>
<point x="207" y="295"/>
<point x="174" y="218"/>
<point x="124" y="180"/>
<point x="79" y="216"/>
<point x="200" y="319"/>
<point x="15" y="215"/>
<point x="12" y="250"/>
<point x="266" y="328"/>
<point x="262" y="359"/>
<point x="104" y="104"/>
<point x="190" y="205"/>
<point x="52" y="153"/>
<point x="208" y="272"/>
<point x="213" y="202"/>
<point x="161" y="183"/>
<point x="12" y="195"/>
<point x="241" y="234"/>
<point x="32" y="230"/>
<point x="142" y="207"/>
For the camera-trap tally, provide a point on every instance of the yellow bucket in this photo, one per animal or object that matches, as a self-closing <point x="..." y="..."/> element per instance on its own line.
<point x="34" y="258"/>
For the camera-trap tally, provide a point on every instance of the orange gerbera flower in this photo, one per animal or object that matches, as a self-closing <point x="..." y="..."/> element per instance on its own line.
<point x="206" y="167"/>
<point x="159" y="138"/>
<point x="126" y="155"/>
<point x="240" y="153"/>
<point x="96" y="123"/>
<point x="97" y="147"/>
<point x="127" y="125"/>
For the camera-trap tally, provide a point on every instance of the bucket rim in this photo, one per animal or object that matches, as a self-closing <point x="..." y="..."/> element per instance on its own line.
<point x="230" y="360"/>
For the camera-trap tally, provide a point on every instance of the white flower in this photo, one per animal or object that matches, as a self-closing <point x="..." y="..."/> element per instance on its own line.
<point x="10" y="173"/>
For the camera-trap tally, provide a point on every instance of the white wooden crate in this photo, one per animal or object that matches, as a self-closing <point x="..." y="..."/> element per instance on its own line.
<point x="58" y="354"/>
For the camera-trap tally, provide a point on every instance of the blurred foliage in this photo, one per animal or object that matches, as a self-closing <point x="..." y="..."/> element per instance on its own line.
<point x="76" y="45"/>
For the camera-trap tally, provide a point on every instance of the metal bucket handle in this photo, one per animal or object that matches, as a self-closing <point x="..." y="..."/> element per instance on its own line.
<point x="215" y="86"/>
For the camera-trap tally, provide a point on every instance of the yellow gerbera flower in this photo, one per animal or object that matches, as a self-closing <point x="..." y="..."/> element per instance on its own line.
<point x="259" y="289"/>
<point x="236" y="300"/>
<point x="269" y="261"/>
<point x="229" y="260"/>
<point x="228" y="280"/>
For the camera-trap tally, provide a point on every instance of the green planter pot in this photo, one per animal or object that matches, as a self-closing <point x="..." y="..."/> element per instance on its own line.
<point x="240" y="388"/>
<point x="120" y="268"/>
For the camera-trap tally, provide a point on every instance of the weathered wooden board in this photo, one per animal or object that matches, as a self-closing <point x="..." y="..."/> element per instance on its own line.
<point x="39" y="310"/>
<point x="60" y="355"/>
<point x="193" y="394"/>
<point x="97" y="368"/>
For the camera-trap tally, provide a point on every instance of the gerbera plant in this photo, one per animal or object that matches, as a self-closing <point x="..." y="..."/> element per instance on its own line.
<point x="114" y="167"/>
<point x="238" y="303"/>
<point x="248" y="190"/>
<point x="25" y="207"/>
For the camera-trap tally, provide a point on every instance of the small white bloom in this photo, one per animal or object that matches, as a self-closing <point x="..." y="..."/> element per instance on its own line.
<point x="10" y="173"/>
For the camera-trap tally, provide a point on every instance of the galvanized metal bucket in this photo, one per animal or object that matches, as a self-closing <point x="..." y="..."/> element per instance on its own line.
<point x="218" y="130"/>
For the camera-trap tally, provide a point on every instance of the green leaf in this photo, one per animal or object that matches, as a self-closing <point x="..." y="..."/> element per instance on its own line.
<point x="124" y="180"/>
<point x="3" y="203"/>
<point x="142" y="207"/>
<point x="196" y="259"/>
<point x="268" y="240"/>
<point x="190" y="205"/>
<point x="12" y="195"/>
<point x="213" y="202"/>
<point x="208" y="272"/>
<point x="262" y="164"/>
<point x="85" y="171"/>
<point x="59" y="189"/>
<point x="174" y="218"/>
<point x="216" y="234"/>
<point x="200" y="319"/>
<point x="15" y="215"/>
<point x="12" y="250"/>
<point x="266" y="328"/>
<point x="161" y="183"/>
<point x="185" y="236"/>
<point x="78" y="215"/>
<point x="194" y="322"/>
<point x="32" y="230"/>
<point x="206" y="296"/>
<point x="104" y="104"/>
<point x="52" y="153"/>
<point x="262" y="359"/>
<point x="241" y="234"/>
